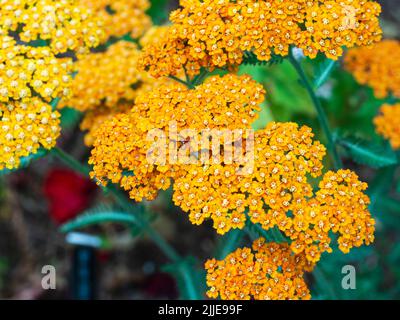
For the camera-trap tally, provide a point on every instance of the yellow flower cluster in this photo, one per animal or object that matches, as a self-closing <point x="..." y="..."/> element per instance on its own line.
<point x="24" y="127"/>
<point x="367" y="67"/>
<point x="107" y="78"/>
<point x="29" y="79"/>
<point x="106" y="83"/>
<point x="26" y="71"/>
<point x="61" y="23"/>
<point x="213" y="33"/>
<point x="33" y="34"/>
<point x="387" y="124"/>
<point x="118" y="156"/>
<point x="268" y="271"/>
<point x="122" y="145"/>
<point x="275" y="192"/>
<point x="121" y="17"/>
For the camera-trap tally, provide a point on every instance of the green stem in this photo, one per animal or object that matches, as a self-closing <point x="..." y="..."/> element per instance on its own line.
<point x="123" y="201"/>
<point x="320" y="112"/>
<point x="70" y="162"/>
<point x="199" y="79"/>
<point x="187" y="84"/>
<point x="191" y="291"/>
<point x="325" y="74"/>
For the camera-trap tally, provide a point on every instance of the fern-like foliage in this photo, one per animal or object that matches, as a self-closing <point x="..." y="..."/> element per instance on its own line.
<point x="99" y="215"/>
<point x="368" y="153"/>
<point x="249" y="58"/>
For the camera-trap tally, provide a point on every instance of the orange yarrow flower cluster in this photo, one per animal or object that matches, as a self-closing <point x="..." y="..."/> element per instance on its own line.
<point x="284" y="155"/>
<point x="371" y="66"/>
<point x="273" y="191"/>
<point x="93" y="119"/>
<point x="214" y="33"/>
<point x="121" y="17"/>
<point x="224" y="102"/>
<point x="268" y="271"/>
<point x="154" y="35"/>
<point x="339" y="206"/>
<point x="387" y="124"/>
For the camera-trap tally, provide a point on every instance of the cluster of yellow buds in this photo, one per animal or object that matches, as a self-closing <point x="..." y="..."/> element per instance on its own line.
<point x="121" y="17"/>
<point x="33" y="34"/>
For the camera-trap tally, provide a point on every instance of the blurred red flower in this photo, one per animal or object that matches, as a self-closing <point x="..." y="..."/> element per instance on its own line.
<point x="68" y="194"/>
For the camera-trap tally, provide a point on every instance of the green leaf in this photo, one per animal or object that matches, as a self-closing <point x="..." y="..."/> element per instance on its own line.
<point x="364" y="152"/>
<point x="99" y="215"/>
<point x="323" y="72"/>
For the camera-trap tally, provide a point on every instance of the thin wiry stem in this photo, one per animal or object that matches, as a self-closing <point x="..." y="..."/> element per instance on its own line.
<point x="187" y="84"/>
<point x="337" y="161"/>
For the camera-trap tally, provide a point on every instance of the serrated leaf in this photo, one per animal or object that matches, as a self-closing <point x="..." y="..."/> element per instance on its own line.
<point x="99" y="215"/>
<point x="367" y="153"/>
<point x="249" y="58"/>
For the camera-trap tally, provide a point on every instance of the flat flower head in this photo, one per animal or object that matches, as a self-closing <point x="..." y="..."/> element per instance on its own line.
<point x="107" y="78"/>
<point x="27" y="71"/>
<point x="24" y="128"/>
<point x="267" y="182"/>
<point x="217" y="34"/>
<point x="267" y="271"/>
<point x="165" y="123"/>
